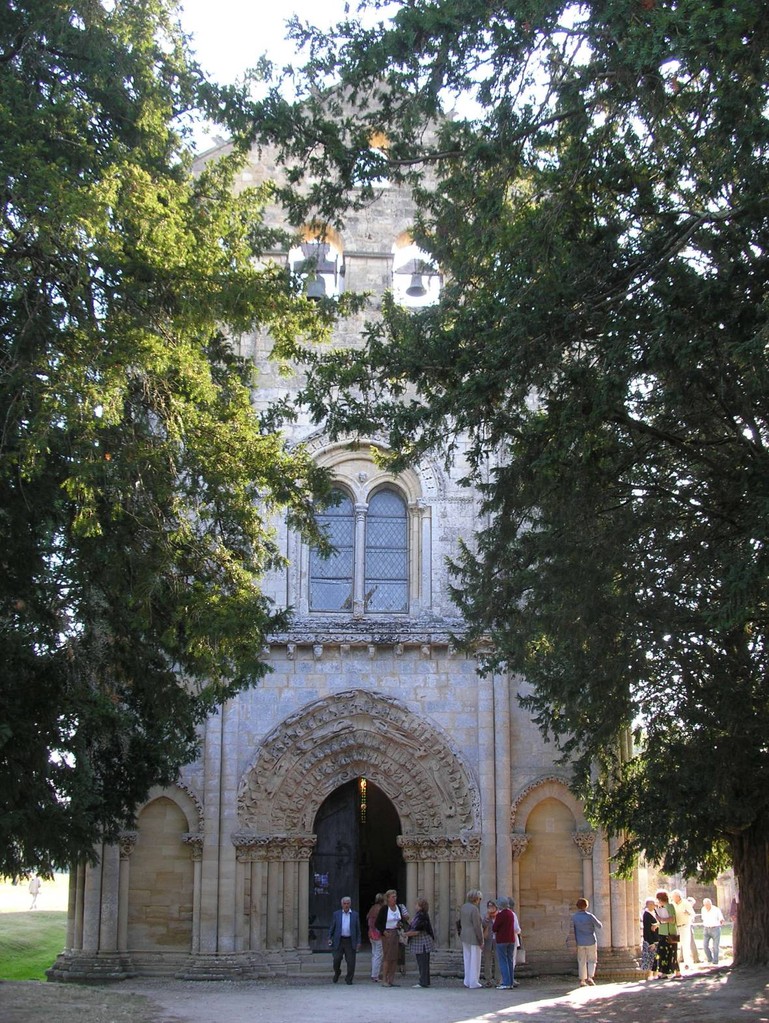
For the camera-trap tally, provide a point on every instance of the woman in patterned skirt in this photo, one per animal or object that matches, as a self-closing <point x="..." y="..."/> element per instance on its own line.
<point x="422" y="940"/>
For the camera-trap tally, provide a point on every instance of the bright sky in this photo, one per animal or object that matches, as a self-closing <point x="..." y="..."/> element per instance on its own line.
<point x="230" y="35"/>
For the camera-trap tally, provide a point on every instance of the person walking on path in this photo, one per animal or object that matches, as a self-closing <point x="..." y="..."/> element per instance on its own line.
<point x="585" y="927"/>
<point x="344" y="937"/>
<point x="712" y="922"/>
<point x="471" y="933"/>
<point x="35" y="884"/>
<point x="506" y="930"/>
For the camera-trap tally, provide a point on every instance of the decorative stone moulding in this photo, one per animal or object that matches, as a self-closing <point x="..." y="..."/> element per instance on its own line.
<point x="551" y="785"/>
<point x="250" y="847"/>
<point x="584" y="839"/>
<point x="127" y="842"/>
<point x="340" y="738"/>
<point x="519" y="843"/>
<point x="195" y="842"/>
<point x="434" y="848"/>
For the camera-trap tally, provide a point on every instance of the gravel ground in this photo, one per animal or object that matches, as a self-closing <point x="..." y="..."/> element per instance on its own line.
<point x="710" y="996"/>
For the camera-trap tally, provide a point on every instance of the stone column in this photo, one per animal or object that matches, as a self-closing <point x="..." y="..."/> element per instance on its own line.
<point x="448" y="863"/>
<point x="424" y="573"/>
<point x="303" y="937"/>
<point x="359" y="575"/>
<point x="72" y="909"/>
<point x="279" y="911"/>
<point x="195" y="841"/>
<point x="487" y="779"/>
<point x="256" y="929"/>
<point x="228" y="910"/>
<point x="518" y="845"/>
<point x="77" y="930"/>
<point x="289" y="903"/>
<point x="601" y="890"/>
<point x="443" y="905"/>
<point x="209" y="872"/>
<point x="128" y="841"/>
<point x="618" y="900"/>
<point x="585" y="840"/>
<point x="504" y="861"/>
<point x="459" y="888"/>
<point x="92" y="907"/>
<point x="110" y="899"/>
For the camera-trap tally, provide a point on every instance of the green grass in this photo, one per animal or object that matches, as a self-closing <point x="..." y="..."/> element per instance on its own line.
<point x="29" y="943"/>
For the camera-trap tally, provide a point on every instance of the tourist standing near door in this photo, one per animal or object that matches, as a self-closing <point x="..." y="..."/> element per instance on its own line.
<point x="388" y="922"/>
<point x="344" y="937"/>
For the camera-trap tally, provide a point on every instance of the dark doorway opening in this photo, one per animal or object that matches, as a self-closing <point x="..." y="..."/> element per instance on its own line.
<point x="356" y="854"/>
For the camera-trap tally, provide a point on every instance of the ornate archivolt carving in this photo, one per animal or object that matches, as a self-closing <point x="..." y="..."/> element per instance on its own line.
<point x="584" y="840"/>
<point x="434" y="848"/>
<point x="351" y="735"/>
<point x="519" y="843"/>
<point x="195" y="802"/>
<point x="250" y="847"/>
<point x="546" y="787"/>
<point x="427" y="479"/>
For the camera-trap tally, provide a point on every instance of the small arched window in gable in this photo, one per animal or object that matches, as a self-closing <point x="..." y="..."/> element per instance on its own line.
<point x="331" y="579"/>
<point x="386" y="560"/>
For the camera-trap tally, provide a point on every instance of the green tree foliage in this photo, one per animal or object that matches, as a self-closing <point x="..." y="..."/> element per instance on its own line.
<point x="599" y="357"/>
<point x="137" y="483"/>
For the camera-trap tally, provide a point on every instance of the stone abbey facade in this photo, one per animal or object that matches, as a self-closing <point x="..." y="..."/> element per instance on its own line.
<point x="373" y="755"/>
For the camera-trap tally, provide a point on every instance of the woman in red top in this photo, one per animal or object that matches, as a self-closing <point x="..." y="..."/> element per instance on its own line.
<point x="506" y="931"/>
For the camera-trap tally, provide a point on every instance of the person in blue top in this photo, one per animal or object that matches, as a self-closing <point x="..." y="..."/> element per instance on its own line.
<point x="585" y="927"/>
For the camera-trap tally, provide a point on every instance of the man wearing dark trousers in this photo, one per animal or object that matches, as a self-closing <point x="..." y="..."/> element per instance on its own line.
<point x="344" y="937"/>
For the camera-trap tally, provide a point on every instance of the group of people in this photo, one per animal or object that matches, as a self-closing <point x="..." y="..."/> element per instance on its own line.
<point x="667" y="941"/>
<point x="391" y="928"/>
<point x="489" y="940"/>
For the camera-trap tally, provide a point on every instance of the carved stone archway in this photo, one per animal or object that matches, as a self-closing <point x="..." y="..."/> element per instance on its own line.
<point x="353" y="734"/>
<point x="333" y="741"/>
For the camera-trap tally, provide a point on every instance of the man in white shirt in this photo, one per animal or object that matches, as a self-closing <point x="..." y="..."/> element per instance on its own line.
<point x="344" y="937"/>
<point x="712" y="919"/>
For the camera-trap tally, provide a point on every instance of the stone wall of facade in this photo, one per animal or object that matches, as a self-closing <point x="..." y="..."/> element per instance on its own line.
<point x="216" y="880"/>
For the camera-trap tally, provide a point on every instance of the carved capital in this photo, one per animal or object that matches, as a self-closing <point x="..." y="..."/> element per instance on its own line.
<point x="436" y="848"/>
<point x="195" y="841"/>
<point x="127" y="842"/>
<point x="519" y="843"/>
<point x="584" y="840"/>
<point x="250" y="847"/>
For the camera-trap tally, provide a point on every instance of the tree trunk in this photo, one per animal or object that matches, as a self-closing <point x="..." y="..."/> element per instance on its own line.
<point x="751" y="866"/>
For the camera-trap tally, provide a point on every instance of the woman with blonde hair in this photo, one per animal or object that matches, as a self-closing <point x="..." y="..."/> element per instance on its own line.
<point x="389" y="921"/>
